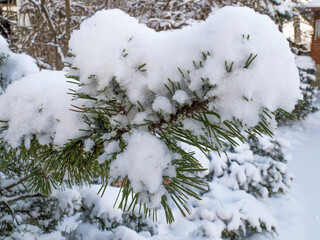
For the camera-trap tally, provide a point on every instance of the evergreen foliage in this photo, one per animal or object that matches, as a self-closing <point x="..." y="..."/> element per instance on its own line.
<point x="105" y="114"/>
<point x="88" y="157"/>
<point x="102" y="131"/>
<point x="306" y="105"/>
<point x="257" y="166"/>
<point x="21" y="208"/>
<point x="103" y="222"/>
<point x="4" y="82"/>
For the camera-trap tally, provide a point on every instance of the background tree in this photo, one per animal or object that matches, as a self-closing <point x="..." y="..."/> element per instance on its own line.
<point x="45" y="27"/>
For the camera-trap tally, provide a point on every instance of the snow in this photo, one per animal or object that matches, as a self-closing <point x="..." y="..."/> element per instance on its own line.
<point x="242" y="168"/>
<point x="285" y="7"/>
<point x="145" y="160"/>
<point x="162" y="104"/>
<point x="18" y="66"/>
<point x="305" y="62"/>
<point x="140" y="118"/>
<point x="112" y="147"/>
<point x="101" y="207"/>
<point x="312" y="4"/>
<point x="298" y="213"/>
<point x="89" y="231"/>
<point x="133" y="66"/>
<point x="181" y="97"/>
<point x="68" y="200"/>
<point x="141" y="60"/>
<point x="42" y="110"/>
<point x="29" y="236"/>
<point x="14" y="66"/>
<point x="218" y="210"/>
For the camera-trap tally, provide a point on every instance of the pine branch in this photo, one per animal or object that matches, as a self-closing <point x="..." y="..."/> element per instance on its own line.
<point x="184" y="111"/>
<point x="12" y="200"/>
<point x="17" y="183"/>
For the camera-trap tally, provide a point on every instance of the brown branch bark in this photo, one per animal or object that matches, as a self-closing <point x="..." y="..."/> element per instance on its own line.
<point x="68" y="22"/>
<point x="195" y="107"/>
<point x="17" y="183"/>
<point x="12" y="200"/>
<point x="54" y="35"/>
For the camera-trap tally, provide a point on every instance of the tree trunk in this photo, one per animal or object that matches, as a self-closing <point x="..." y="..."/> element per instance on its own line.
<point x="68" y="23"/>
<point x="297" y="30"/>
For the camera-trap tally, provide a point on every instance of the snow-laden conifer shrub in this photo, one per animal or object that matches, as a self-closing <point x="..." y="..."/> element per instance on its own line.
<point x="100" y="215"/>
<point x="257" y="166"/>
<point x="22" y="210"/>
<point x="139" y="94"/>
<point x="305" y="106"/>
<point x="229" y="214"/>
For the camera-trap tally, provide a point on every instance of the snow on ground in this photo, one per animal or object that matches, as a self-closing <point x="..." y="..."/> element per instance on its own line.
<point x="298" y="212"/>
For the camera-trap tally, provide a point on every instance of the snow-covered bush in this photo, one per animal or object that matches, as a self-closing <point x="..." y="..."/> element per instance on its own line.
<point x="138" y="94"/>
<point x="221" y="214"/>
<point x="25" y="211"/>
<point x="230" y="214"/>
<point x="257" y="166"/>
<point x="307" y="105"/>
<point x="99" y="214"/>
<point x="20" y="208"/>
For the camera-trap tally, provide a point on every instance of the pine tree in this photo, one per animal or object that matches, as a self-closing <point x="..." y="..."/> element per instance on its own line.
<point x="20" y="208"/>
<point x="79" y="156"/>
<point x="120" y="127"/>
<point x="117" y="125"/>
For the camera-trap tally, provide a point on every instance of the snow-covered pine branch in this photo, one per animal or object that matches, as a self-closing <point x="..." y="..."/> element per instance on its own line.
<point x="139" y="94"/>
<point x="13" y="66"/>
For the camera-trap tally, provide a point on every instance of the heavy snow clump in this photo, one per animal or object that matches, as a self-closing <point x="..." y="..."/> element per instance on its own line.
<point x="238" y="61"/>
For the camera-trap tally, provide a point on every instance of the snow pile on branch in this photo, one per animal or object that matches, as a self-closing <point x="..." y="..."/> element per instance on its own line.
<point x="39" y="104"/>
<point x="13" y="66"/>
<point x="246" y="58"/>
<point x="145" y="161"/>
